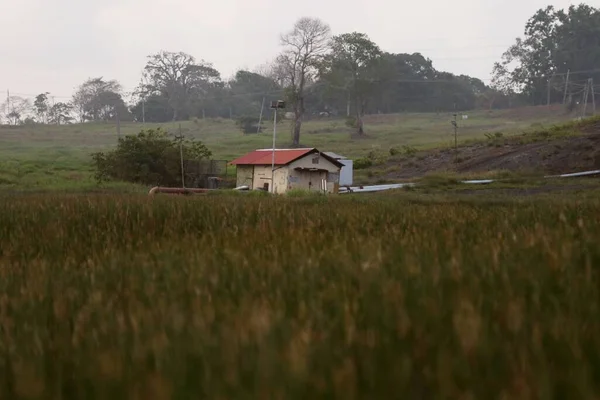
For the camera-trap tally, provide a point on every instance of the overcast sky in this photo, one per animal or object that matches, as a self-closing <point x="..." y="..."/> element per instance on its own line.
<point x="54" y="45"/>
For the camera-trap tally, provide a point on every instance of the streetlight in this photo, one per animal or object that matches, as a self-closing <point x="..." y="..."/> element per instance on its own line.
<point x="275" y="105"/>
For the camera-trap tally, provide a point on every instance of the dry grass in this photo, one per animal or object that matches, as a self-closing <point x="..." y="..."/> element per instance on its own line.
<point x="236" y="298"/>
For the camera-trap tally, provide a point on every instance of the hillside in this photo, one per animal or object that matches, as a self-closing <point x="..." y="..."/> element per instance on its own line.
<point x="43" y="156"/>
<point x="563" y="148"/>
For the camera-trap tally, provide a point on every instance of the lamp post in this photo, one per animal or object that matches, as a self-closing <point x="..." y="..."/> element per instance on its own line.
<point x="275" y="105"/>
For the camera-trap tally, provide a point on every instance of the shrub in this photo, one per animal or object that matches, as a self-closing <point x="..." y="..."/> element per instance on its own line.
<point x="351" y="122"/>
<point x="248" y="124"/>
<point x="409" y="150"/>
<point x="495" y="135"/>
<point x="363" y="162"/>
<point x="151" y="157"/>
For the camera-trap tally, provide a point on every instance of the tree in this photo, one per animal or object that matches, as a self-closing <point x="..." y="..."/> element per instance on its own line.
<point x="555" y="42"/>
<point x="247" y="90"/>
<point x="181" y="79"/>
<point x="155" y="108"/>
<point x="41" y="107"/>
<point x="304" y="48"/>
<point x="60" y="113"/>
<point x="97" y="100"/>
<point x="351" y="65"/>
<point x="15" y="109"/>
<point x="151" y="157"/>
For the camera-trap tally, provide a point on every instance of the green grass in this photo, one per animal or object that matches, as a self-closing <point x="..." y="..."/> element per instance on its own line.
<point x="58" y="157"/>
<point x="232" y="297"/>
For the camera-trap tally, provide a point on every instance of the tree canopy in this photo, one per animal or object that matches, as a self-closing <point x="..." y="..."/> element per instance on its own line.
<point x="345" y="75"/>
<point x="556" y="43"/>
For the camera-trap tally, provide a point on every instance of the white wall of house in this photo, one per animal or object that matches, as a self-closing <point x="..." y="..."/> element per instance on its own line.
<point x="281" y="180"/>
<point x="262" y="175"/>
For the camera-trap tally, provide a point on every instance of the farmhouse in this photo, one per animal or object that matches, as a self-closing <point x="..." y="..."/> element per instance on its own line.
<point x="304" y="169"/>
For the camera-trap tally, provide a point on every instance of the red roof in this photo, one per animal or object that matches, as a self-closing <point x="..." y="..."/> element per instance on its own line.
<point x="265" y="156"/>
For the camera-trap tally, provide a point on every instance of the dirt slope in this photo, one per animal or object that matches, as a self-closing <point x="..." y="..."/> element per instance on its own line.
<point x="545" y="155"/>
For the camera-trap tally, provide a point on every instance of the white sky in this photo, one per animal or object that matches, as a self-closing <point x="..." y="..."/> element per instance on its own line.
<point x="54" y="45"/>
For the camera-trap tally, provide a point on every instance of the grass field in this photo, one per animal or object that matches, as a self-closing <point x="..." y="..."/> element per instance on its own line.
<point x="402" y="295"/>
<point x="59" y="156"/>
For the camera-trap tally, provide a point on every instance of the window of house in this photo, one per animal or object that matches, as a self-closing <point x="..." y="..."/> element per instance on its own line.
<point x="315" y="160"/>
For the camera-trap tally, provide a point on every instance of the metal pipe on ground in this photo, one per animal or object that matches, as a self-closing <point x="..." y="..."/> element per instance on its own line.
<point x="169" y="190"/>
<point x="380" y="188"/>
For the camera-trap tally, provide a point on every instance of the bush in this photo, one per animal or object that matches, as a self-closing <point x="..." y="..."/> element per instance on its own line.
<point x="351" y="122"/>
<point x="495" y="135"/>
<point x="363" y="162"/>
<point x="409" y="150"/>
<point x="248" y="124"/>
<point x="151" y="157"/>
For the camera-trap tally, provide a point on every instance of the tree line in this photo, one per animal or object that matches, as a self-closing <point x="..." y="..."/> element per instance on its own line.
<point x="348" y="75"/>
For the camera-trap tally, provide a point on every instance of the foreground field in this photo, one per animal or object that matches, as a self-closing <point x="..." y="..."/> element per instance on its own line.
<point x="392" y="296"/>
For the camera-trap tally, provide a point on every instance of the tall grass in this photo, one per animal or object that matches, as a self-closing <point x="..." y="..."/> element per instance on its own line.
<point x="300" y="298"/>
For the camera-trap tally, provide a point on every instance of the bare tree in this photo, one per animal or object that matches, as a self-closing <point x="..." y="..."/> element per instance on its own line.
<point x="15" y="109"/>
<point x="296" y="66"/>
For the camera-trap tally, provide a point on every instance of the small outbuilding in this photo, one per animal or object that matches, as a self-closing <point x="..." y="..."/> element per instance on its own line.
<point x="347" y="173"/>
<point x="302" y="169"/>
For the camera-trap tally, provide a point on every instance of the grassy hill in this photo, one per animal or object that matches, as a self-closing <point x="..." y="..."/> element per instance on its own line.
<point x="59" y="156"/>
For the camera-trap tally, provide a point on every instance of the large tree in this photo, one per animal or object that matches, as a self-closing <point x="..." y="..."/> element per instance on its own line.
<point x="352" y="66"/>
<point x="98" y="100"/>
<point x="248" y="90"/>
<point x="555" y="43"/>
<point x="181" y="79"/>
<point x="304" y="47"/>
<point x="154" y="108"/>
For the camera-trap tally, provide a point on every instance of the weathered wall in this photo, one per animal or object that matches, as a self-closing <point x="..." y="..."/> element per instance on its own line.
<point x="262" y="175"/>
<point x="307" y="162"/>
<point x="281" y="180"/>
<point x="306" y="180"/>
<point x="311" y="180"/>
<point x="244" y="176"/>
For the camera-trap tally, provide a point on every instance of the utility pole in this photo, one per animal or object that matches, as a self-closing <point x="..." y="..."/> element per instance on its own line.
<point x="118" y="122"/>
<point x="566" y="86"/>
<point x="455" y="125"/>
<point x="275" y="105"/>
<point x="586" y="94"/>
<point x="143" y="93"/>
<point x="7" y="101"/>
<point x="180" y="138"/>
<point x="593" y="96"/>
<point x="261" y="115"/>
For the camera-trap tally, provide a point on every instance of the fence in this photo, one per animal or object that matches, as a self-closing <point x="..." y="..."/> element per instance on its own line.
<point x="198" y="173"/>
